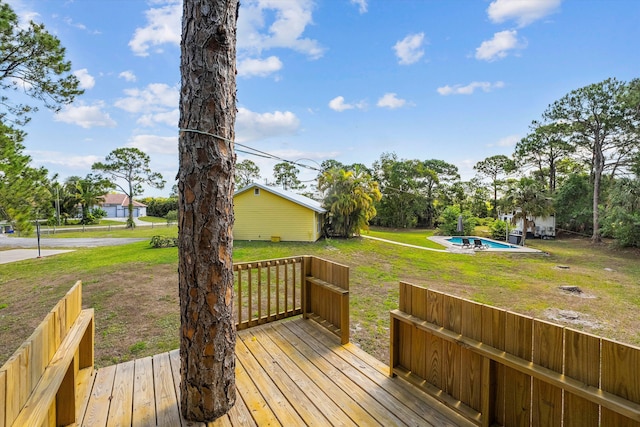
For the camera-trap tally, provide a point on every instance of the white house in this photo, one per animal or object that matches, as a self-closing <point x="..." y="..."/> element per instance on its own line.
<point x="117" y="206"/>
<point x="536" y="226"/>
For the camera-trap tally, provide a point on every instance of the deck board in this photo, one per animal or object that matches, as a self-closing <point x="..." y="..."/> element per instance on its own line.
<point x="288" y="373"/>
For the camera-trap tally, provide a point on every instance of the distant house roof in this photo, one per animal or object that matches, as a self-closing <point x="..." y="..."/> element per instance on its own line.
<point x="293" y="197"/>
<point x="119" y="199"/>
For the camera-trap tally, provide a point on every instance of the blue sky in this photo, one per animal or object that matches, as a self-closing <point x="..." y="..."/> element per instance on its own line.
<point x="457" y="80"/>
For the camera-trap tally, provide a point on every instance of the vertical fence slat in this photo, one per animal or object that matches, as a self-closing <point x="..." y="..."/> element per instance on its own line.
<point x="249" y="294"/>
<point x="269" y="313"/>
<point x="518" y="341"/>
<point x="259" y="291"/>
<point x="620" y="365"/>
<point x="286" y="287"/>
<point x="452" y="321"/>
<point x="471" y="363"/>
<point x="404" y="331"/>
<point x="582" y="362"/>
<point x="238" y="298"/>
<point x="277" y="289"/>
<point x="547" y="352"/>
<point x="434" y="344"/>
<point x="3" y="397"/>
<point x="12" y="369"/>
<point x="418" y="308"/>
<point x="493" y="322"/>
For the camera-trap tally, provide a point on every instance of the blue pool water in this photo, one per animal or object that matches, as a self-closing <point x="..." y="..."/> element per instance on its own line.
<point x="489" y="243"/>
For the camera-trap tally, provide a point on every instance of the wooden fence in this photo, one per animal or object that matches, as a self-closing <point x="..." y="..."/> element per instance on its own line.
<point x="499" y="367"/>
<point x="44" y="382"/>
<point x="275" y="289"/>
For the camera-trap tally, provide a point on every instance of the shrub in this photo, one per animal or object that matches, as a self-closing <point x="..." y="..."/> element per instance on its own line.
<point x="499" y="230"/>
<point x="171" y="216"/>
<point x="163" y="242"/>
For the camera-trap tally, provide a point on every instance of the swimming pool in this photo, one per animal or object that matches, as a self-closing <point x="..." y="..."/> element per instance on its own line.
<point x="490" y="243"/>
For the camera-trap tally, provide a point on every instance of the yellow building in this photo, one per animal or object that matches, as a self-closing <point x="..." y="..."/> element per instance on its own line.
<point x="270" y="213"/>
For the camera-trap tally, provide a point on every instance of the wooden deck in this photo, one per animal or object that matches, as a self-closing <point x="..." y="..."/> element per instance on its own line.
<point x="288" y="373"/>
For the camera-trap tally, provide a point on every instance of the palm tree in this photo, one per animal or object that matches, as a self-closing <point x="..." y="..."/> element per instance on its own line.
<point x="349" y="199"/>
<point x="528" y="198"/>
<point x="89" y="192"/>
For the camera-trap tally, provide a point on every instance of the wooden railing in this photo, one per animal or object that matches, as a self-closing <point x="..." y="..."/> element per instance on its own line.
<point x="275" y="289"/>
<point x="499" y="367"/>
<point x="45" y="382"/>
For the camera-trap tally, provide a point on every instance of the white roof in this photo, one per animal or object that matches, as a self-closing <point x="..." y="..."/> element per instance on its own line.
<point x="293" y="197"/>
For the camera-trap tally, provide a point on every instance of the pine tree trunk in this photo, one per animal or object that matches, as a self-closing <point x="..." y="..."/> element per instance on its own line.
<point x="207" y="104"/>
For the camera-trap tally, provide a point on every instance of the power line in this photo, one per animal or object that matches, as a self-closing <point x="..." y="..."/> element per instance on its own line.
<point x="253" y="152"/>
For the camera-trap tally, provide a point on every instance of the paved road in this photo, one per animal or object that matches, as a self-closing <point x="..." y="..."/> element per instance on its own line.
<point x="32" y="242"/>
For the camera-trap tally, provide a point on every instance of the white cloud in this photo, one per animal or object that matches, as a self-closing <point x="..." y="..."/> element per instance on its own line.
<point x="86" y="116"/>
<point x="251" y="126"/>
<point x="338" y="104"/>
<point x="498" y="47"/>
<point x="169" y="118"/>
<point x="362" y="5"/>
<point x="57" y="158"/>
<point x="128" y="76"/>
<point x="287" y="23"/>
<point x="524" y="12"/>
<point x="86" y="80"/>
<point x="508" y="141"/>
<point x="470" y="88"/>
<point x="155" y="144"/>
<point x="163" y="26"/>
<point x="259" y="67"/>
<point x="409" y="50"/>
<point x="156" y="97"/>
<point x="391" y="100"/>
<point x="70" y="23"/>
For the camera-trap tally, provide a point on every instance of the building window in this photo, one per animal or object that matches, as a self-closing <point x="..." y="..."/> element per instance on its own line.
<point x="256" y="191"/>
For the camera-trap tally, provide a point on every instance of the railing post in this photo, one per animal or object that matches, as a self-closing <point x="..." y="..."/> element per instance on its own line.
<point x="306" y="271"/>
<point x="344" y="319"/>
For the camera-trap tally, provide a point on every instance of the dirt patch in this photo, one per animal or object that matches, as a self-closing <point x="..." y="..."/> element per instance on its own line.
<point x="572" y="318"/>
<point x="137" y="312"/>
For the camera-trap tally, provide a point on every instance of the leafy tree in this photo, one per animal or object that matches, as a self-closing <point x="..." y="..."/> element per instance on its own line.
<point x="603" y="124"/>
<point x="438" y="181"/>
<point x="24" y="190"/>
<point x="573" y="204"/>
<point x="475" y="198"/>
<point x="622" y="216"/>
<point x="543" y="148"/>
<point x="159" y="206"/>
<point x="32" y="61"/>
<point x="494" y="168"/>
<point x="528" y="198"/>
<point x="286" y="175"/>
<point x="205" y="180"/>
<point x="349" y="197"/>
<point x="402" y="201"/>
<point x="331" y="164"/>
<point x="131" y="166"/>
<point x="246" y="173"/>
<point x="449" y="222"/>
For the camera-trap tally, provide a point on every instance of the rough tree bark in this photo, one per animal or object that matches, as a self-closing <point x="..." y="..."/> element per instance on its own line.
<point x="205" y="182"/>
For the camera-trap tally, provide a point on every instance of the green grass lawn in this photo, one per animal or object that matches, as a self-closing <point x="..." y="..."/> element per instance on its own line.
<point x="418" y="237"/>
<point x="133" y="288"/>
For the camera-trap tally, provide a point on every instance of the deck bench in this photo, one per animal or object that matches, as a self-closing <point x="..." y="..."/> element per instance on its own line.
<point x="340" y="323"/>
<point x="46" y="381"/>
